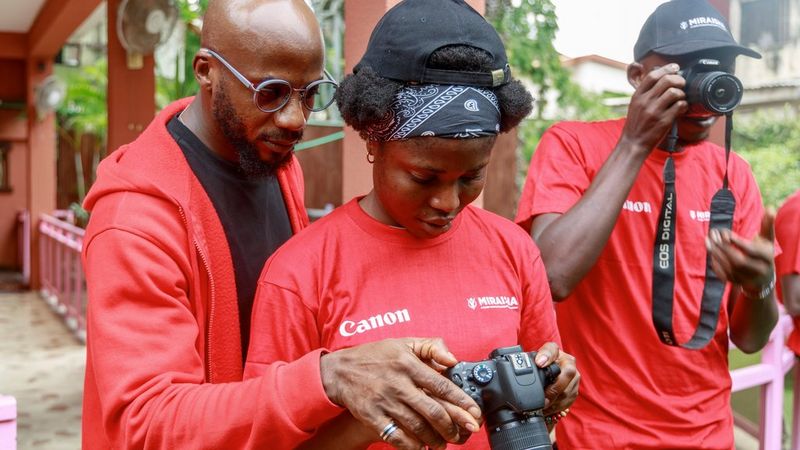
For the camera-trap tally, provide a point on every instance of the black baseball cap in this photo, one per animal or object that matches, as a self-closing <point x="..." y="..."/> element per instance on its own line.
<point x="680" y="27"/>
<point x="405" y="37"/>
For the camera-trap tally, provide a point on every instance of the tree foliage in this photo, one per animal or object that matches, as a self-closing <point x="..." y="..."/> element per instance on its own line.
<point x="528" y="29"/>
<point x="770" y="142"/>
<point x="181" y="82"/>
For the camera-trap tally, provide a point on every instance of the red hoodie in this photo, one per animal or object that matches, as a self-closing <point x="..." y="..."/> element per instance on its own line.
<point x="164" y="358"/>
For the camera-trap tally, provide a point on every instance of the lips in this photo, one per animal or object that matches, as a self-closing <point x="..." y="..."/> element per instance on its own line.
<point x="439" y="223"/>
<point x="281" y="146"/>
<point x="273" y="150"/>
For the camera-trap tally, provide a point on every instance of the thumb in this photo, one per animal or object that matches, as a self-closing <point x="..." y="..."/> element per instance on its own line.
<point x="767" y="225"/>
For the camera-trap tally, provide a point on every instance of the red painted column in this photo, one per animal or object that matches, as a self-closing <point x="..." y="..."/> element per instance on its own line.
<point x="131" y="92"/>
<point x="360" y="18"/>
<point x="41" y="159"/>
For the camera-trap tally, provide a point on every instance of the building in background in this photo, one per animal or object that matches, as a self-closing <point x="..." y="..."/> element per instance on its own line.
<point x="773" y="28"/>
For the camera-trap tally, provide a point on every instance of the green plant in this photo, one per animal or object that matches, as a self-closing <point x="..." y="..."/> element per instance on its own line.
<point x="770" y="142"/>
<point x="528" y="29"/>
<point x="84" y="114"/>
<point x="181" y="83"/>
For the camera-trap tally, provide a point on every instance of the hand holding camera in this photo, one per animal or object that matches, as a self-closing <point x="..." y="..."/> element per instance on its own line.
<point x="659" y="100"/>
<point x="510" y="389"/>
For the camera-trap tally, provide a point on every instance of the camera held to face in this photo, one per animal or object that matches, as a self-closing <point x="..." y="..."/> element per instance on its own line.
<point x="710" y="91"/>
<point x="509" y="388"/>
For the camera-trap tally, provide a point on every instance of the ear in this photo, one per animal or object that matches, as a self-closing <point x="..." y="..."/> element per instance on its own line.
<point x="202" y="71"/>
<point x="373" y="147"/>
<point x="635" y="74"/>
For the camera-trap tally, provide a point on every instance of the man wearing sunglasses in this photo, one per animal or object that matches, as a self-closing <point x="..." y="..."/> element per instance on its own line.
<point x="182" y="221"/>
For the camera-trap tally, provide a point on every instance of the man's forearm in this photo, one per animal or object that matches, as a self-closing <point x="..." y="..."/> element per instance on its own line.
<point x="752" y="320"/>
<point x="571" y="244"/>
<point x="790" y="289"/>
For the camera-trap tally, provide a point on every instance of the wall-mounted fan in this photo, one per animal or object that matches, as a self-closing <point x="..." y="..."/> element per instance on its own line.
<point x="142" y="25"/>
<point x="48" y="95"/>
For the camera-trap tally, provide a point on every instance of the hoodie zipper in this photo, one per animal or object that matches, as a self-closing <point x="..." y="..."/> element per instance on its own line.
<point x="207" y="267"/>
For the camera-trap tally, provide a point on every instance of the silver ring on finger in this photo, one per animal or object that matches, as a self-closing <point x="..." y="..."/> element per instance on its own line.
<point x="387" y="431"/>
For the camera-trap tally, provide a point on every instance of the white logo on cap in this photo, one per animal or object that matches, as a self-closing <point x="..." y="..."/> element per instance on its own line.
<point x="471" y="105"/>
<point x="428" y="133"/>
<point x="684" y="25"/>
<point x="698" y="22"/>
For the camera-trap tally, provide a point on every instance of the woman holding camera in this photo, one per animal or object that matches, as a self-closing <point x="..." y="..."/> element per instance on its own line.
<point x="412" y="258"/>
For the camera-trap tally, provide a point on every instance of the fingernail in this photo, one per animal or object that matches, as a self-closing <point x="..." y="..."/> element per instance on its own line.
<point x="452" y="356"/>
<point x="474" y="411"/>
<point x="472" y="428"/>
<point x="541" y="359"/>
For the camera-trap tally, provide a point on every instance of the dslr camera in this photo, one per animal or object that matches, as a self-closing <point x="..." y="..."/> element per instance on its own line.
<point x="509" y="388"/>
<point x="710" y="91"/>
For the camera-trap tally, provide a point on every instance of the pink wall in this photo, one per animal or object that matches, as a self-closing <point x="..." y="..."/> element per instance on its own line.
<point x="13" y="129"/>
<point x="12" y="202"/>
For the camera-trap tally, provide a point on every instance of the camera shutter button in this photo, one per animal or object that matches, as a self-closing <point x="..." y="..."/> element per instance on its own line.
<point x="457" y="380"/>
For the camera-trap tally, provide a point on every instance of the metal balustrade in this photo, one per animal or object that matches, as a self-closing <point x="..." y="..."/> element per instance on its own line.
<point x="769" y="374"/>
<point x="63" y="284"/>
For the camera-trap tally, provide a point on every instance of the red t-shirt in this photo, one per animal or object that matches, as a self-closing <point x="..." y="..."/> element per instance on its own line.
<point x="349" y="279"/>
<point x="636" y="392"/>
<point x="787" y="233"/>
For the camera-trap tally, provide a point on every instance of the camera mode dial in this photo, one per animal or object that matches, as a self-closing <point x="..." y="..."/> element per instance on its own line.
<point x="482" y="374"/>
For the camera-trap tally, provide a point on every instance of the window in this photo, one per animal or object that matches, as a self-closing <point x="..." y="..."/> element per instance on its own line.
<point x="5" y="147"/>
<point x="764" y="23"/>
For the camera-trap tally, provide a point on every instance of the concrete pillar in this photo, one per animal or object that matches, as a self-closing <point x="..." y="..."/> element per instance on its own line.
<point x="41" y="183"/>
<point x="360" y="18"/>
<point x="131" y="92"/>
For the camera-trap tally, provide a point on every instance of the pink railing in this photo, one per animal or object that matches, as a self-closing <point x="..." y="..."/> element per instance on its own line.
<point x="776" y="361"/>
<point x="61" y="273"/>
<point x="24" y="245"/>
<point x="8" y="422"/>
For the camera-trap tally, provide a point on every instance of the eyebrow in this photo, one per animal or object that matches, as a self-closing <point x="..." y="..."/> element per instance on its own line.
<point x="435" y="170"/>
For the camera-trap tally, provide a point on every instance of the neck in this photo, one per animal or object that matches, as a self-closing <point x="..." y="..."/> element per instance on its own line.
<point x="200" y="122"/>
<point x="372" y="206"/>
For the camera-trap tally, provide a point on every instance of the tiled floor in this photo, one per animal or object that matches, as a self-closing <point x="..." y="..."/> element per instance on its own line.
<point x="42" y="365"/>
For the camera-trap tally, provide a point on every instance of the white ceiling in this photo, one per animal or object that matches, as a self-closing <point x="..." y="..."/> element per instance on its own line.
<point x="17" y="16"/>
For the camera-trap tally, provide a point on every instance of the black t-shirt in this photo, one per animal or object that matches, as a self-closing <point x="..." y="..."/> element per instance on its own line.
<point x="252" y="213"/>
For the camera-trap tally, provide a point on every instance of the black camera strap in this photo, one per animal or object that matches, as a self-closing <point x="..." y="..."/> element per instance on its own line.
<point x="723" y="205"/>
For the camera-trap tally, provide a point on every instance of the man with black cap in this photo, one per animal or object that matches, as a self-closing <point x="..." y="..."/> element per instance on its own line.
<point x="654" y="245"/>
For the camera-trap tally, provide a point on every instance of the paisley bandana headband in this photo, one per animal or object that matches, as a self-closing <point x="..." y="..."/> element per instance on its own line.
<point x="439" y="110"/>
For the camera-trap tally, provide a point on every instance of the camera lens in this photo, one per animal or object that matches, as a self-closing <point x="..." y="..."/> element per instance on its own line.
<point x="717" y="92"/>
<point x="526" y="434"/>
<point x="724" y="93"/>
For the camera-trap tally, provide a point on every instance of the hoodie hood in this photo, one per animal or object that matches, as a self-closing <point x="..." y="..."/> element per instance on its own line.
<point x="154" y="165"/>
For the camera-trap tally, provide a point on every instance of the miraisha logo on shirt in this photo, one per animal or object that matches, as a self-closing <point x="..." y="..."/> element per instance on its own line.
<point x="501" y="302"/>
<point x="351" y="328"/>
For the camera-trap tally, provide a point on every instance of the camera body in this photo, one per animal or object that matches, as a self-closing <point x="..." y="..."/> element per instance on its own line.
<point x="710" y="91"/>
<point x="509" y="388"/>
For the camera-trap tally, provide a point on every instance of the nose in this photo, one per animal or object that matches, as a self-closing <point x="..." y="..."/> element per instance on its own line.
<point x="292" y="116"/>
<point x="446" y="199"/>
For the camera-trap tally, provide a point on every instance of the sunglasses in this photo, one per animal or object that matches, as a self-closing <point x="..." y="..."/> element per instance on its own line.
<point x="273" y="94"/>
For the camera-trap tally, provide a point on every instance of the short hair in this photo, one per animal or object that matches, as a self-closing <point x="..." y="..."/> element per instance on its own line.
<point x="364" y="98"/>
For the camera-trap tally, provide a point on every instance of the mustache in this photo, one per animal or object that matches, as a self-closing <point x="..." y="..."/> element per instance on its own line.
<point x="281" y="136"/>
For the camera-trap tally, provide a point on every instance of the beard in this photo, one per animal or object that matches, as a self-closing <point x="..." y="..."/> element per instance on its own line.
<point x="250" y="162"/>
